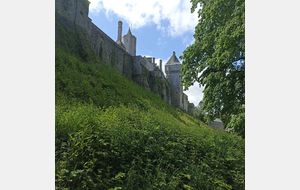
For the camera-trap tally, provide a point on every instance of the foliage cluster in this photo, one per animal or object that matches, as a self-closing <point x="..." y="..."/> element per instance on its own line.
<point x="237" y="124"/>
<point x="133" y="148"/>
<point x="217" y="58"/>
<point x="200" y="114"/>
<point x="112" y="134"/>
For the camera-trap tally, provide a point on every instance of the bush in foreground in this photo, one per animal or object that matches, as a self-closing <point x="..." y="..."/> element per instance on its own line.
<point x="112" y="134"/>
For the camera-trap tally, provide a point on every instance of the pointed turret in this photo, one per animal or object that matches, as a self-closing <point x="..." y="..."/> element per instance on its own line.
<point x="129" y="32"/>
<point x="173" y="60"/>
<point x="129" y="41"/>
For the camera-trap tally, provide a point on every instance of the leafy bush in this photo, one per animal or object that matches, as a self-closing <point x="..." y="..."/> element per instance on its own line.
<point x="237" y="123"/>
<point x="147" y="148"/>
<point x="112" y="134"/>
<point x="200" y="114"/>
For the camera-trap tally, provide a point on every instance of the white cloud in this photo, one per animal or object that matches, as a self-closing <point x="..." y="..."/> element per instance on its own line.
<point x="141" y="13"/>
<point x="194" y="93"/>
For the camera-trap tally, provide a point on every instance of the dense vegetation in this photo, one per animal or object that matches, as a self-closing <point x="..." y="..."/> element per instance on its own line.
<point x="112" y="134"/>
<point x="218" y="54"/>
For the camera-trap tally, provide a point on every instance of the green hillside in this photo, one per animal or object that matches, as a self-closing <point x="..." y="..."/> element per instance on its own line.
<point x="112" y="134"/>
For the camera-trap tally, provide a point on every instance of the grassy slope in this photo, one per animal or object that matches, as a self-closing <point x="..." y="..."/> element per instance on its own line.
<point x="112" y="133"/>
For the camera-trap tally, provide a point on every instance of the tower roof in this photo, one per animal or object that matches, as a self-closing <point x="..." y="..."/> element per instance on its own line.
<point x="173" y="60"/>
<point x="129" y="32"/>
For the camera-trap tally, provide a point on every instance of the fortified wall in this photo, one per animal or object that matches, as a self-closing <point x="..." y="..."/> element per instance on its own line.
<point x="121" y="54"/>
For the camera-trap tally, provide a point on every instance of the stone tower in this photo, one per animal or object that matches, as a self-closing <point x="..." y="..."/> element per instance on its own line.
<point x="129" y="42"/>
<point x="119" y="42"/>
<point x="173" y="70"/>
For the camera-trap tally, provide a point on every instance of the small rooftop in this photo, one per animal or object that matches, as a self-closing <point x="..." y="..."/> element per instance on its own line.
<point x="173" y="60"/>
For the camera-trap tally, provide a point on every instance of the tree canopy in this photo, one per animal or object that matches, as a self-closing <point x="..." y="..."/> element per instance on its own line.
<point x="217" y="58"/>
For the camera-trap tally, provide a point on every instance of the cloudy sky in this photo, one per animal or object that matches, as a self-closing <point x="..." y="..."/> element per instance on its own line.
<point x="160" y="27"/>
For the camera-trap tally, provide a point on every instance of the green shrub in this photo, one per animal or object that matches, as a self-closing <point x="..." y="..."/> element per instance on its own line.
<point x="147" y="148"/>
<point x="112" y="134"/>
<point x="237" y="124"/>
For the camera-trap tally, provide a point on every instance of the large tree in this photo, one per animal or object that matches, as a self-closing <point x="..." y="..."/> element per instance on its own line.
<point x="217" y="58"/>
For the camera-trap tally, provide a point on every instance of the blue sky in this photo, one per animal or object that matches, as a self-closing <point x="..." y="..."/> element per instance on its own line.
<point x="160" y="27"/>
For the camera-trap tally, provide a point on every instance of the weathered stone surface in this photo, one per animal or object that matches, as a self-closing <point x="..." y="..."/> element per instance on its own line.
<point x="185" y="102"/>
<point x="191" y="109"/>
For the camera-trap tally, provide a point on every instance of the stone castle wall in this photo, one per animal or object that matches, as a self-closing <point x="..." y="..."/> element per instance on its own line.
<point x="191" y="109"/>
<point x="139" y="69"/>
<point x="185" y="102"/>
<point x="110" y="52"/>
<point x="74" y="10"/>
